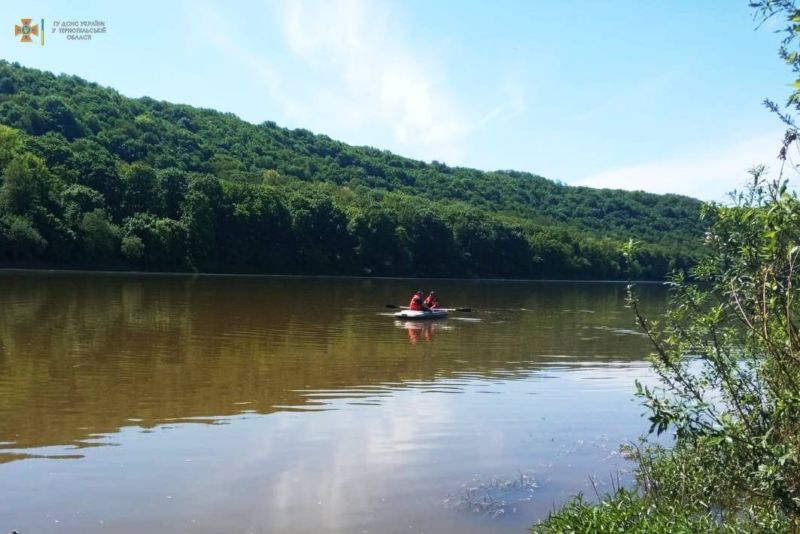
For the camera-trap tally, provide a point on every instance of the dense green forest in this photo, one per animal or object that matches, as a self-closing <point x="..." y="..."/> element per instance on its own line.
<point x="93" y="179"/>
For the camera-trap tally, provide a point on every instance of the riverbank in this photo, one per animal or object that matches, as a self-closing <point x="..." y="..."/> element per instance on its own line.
<point x="314" y="276"/>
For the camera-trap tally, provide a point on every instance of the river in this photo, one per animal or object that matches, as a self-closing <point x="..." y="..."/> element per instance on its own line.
<point x="137" y="403"/>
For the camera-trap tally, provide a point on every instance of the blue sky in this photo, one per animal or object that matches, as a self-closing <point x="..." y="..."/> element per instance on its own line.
<point x="659" y="96"/>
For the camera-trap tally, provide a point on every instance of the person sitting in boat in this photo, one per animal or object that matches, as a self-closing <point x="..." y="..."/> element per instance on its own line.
<point x="432" y="301"/>
<point x="417" y="303"/>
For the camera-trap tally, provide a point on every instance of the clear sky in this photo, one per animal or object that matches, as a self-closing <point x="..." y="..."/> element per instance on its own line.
<point x="660" y="96"/>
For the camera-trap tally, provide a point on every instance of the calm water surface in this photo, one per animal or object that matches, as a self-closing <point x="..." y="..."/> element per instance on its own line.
<point x="133" y="403"/>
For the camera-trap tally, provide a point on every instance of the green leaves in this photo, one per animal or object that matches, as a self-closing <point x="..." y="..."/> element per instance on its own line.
<point x="726" y="354"/>
<point x="728" y="359"/>
<point x="145" y="157"/>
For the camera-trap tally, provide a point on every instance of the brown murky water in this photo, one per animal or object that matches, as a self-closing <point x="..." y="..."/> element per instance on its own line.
<point x="133" y="403"/>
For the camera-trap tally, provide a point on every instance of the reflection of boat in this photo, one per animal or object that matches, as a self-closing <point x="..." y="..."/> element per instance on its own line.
<point x="418" y="329"/>
<point x="412" y="324"/>
<point x="421" y="314"/>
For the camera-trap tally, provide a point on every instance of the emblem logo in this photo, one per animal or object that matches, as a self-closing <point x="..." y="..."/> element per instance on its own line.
<point x="26" y="30"/>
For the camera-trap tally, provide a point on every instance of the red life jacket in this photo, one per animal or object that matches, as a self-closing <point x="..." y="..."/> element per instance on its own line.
<point x="416" y="303"/>
<point x="432" y="302"/>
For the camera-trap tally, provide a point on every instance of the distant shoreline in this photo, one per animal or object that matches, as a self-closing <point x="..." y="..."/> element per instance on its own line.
<point x="12" y="270"/>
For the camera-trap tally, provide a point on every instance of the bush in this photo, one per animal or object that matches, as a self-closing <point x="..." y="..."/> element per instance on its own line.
<point x="132" y="247"/>
<point x="728" y="357"/>
<point x="19" y="239"/>
<point x="627" y="512"/>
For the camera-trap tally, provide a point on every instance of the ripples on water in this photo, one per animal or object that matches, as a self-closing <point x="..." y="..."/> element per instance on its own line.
<point x="211" y="404"/>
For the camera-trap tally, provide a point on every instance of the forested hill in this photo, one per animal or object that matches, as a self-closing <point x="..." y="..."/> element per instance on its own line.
<point x="93" y="179"/>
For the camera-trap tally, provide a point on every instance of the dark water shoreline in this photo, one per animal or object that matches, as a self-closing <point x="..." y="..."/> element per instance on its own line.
<point x="105" y="272"/>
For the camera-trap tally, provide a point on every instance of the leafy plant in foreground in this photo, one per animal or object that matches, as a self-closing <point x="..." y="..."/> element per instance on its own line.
<point x="727" y="354"/>
<point x="728" y="357"/>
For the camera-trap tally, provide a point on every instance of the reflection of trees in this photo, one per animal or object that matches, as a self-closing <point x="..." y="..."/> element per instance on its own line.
<point x="86" y="354"/>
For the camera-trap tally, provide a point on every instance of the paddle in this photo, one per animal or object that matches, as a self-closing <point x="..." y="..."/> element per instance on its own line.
<point x="394" y="306"/>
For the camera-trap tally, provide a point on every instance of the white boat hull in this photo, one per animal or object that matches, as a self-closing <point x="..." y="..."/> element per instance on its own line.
<point x="421" y="315"/>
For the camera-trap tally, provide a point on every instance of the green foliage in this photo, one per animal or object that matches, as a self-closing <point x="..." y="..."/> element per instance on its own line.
<point x="204" y="190"/>
<point x="25" y="185"/>
<point x="786" y="12"/>
<point x="163" y="241"/>
<point x="19" y="240"/>
<point x="728" y="357"/>
<point x="10" y="145"/>
<point x="142" y="192"/>
<point x="675" y="492"/>
<point x="132" y="247"/>
<point x="728" y="350"/>
<point x="627" y="512"/>
<point x="100" y="235"/>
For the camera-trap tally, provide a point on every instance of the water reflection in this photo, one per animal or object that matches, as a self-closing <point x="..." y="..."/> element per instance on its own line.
<point x="285" y="390"/>
<point x="421" y="329"/>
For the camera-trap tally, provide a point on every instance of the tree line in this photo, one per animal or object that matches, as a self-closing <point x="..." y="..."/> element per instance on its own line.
<point x="92" y="179"/>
